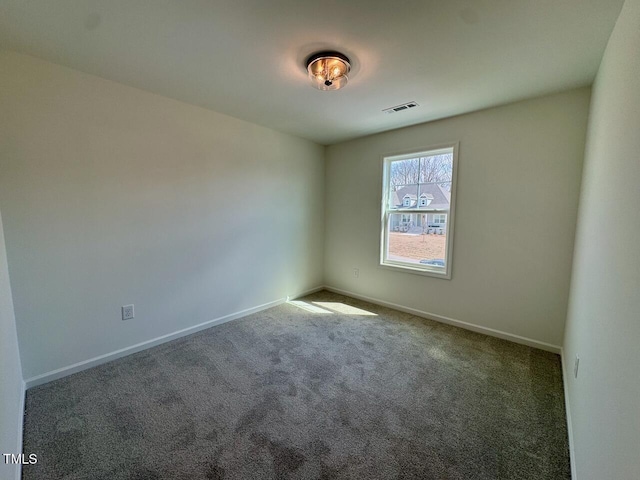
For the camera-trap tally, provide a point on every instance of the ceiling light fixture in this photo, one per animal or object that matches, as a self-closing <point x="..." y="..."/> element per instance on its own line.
<point x="328" y="70"/>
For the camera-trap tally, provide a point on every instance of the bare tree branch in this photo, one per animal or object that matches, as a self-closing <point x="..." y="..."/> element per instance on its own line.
<point x="433" y="169"/>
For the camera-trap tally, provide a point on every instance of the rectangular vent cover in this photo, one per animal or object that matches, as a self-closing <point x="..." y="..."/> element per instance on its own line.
<point x="400" y="108"/>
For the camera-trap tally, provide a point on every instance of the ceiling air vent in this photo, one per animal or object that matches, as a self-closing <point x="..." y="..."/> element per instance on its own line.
<point x="400" y="108"/>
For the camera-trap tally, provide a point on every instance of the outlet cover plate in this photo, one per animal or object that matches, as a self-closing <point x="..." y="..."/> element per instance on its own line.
<point x="127" y="312"/>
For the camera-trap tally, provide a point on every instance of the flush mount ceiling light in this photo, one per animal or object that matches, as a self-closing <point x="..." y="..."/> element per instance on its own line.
<point x="328" y="70"/>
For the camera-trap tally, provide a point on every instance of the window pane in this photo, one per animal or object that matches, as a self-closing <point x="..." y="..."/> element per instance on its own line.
<point x="440" y="219"/>
<point x="413" y="239"/>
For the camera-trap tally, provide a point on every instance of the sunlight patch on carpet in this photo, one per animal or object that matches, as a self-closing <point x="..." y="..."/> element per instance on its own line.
<point x="308" y="307"/>
<point x="344" y="308"/>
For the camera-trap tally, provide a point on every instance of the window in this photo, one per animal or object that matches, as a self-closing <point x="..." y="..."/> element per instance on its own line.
<point x="440" y="218"/>
<point x="424" y="200"/>
<point x="418" y="201"/>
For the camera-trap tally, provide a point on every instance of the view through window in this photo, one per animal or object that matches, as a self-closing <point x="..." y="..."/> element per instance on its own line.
<point x="418" y="210"/>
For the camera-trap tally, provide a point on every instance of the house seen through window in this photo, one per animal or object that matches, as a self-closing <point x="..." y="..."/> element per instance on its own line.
<point x="417" y="211"/>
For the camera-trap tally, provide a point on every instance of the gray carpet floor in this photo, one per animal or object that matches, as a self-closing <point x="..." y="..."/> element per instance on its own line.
<point x="356" y="391"/>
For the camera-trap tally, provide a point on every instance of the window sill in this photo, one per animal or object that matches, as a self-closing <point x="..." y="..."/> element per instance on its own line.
<point x="435" y="272"/>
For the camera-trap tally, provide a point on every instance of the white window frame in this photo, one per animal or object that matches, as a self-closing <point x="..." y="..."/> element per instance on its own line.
<point x="427" y="270"/>
<point x="435" y="222"/>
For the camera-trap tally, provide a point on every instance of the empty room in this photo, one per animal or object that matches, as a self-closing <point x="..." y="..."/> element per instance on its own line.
<point x="306" y="240"/>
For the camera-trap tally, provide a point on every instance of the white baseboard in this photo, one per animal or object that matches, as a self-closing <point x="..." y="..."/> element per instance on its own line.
<point x="452" y="321"/>
<point x="567" y="408"/>
<point x="23" y="396"/>
<point x="123" y="352"/>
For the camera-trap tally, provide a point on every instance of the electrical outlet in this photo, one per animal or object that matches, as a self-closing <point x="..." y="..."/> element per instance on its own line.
<point x="575" y="367"/>
<point x="356" y="272"/>
<point x="127" y="312"/>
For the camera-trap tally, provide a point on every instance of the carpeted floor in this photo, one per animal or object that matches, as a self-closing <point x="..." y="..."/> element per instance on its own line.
<point x="356" y="391"/>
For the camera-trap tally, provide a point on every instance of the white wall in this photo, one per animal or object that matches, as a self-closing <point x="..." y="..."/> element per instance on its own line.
<point x="11" y="385"/>
<point x="518" y="187"/>
<point x="603" y="325"/>
<point x="112" y="195"/>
